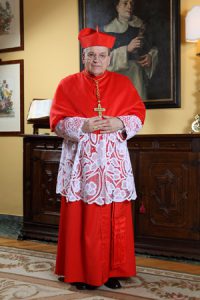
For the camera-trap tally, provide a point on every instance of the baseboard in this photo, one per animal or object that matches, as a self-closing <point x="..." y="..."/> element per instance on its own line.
<point x="10" y="225"/>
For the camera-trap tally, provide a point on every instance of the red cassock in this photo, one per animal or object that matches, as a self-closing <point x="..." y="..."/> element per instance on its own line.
<point x="95" y="242"/>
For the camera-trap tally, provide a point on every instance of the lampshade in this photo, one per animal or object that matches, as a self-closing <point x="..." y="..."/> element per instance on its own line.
<point x="192" y="25"/>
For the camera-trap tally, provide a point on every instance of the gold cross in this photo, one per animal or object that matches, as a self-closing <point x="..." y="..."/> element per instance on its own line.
<point x="99" y="109"/>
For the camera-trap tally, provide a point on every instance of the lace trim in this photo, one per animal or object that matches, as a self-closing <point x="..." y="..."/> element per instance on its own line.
<point x="132" y="125"/>
<point x="70" y="128"/>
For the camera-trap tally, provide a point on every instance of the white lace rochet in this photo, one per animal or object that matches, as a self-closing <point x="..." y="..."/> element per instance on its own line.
<point x="95" y="168"/>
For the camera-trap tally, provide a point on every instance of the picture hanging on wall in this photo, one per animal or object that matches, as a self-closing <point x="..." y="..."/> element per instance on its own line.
<point x="11" y="25"/>
<point x="147" y="46"/>
<point x="11" y="97"/>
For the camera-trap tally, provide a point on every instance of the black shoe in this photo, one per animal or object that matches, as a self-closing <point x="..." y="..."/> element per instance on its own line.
<point x="79" y="285"/>
<point x="83" y="286"/>
<point x="113" y="283"/>
<point x="91" y="287"/>
<point x="61" y="278"/>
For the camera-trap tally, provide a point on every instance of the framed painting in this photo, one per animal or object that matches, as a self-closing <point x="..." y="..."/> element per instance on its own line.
<point x="11" y="25"/>
<point x="147" y="46"/>
<point x="11" y="98"/>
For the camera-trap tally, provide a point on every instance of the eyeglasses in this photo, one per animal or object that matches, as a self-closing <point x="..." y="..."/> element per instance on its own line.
<point x="100" y="57"/>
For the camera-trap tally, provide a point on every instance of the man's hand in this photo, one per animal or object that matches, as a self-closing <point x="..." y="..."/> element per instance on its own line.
<point x="135" y="44"/>
<point x="145" y="60"/>
<point x="111" y="124"/>
<point x="105" y="125"/>
<point x="91" y="124"/>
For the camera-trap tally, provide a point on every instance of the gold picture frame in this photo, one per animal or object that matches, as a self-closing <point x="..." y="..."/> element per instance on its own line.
<point x="11" y="98"/>
<point x="11" y="26"/>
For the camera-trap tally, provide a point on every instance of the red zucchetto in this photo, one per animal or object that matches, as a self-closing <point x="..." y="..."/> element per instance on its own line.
<point x="89" y="37"/>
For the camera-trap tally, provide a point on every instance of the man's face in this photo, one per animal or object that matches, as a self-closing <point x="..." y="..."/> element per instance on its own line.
<point x="124" y="9"/>
<point x="96" y="59"/>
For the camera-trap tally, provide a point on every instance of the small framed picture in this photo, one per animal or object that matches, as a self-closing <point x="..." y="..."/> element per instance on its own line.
<point x="11" y="98"/>
<point x="11" y="25"/>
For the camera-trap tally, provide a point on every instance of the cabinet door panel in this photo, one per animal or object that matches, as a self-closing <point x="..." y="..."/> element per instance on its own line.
<point x="46" y="204"/>
<point x="166" y="186"/>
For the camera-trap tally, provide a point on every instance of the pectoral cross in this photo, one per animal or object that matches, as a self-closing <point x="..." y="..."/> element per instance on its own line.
<point x="99" y="109"/>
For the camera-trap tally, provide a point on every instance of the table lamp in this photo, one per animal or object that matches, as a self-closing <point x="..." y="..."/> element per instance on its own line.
<point x="192" y="31"/>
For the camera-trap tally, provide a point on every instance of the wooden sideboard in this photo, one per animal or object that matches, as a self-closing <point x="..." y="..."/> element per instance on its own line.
<point x="167" y="176"/>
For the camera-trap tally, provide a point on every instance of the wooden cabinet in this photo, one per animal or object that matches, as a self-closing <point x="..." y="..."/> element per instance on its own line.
<point x="167" y="176"/>
<point x="41" y="203"/>
<point x="168" y="186"/>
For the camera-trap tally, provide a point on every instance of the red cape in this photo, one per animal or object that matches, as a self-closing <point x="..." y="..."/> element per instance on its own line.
<point x="76" y="96"/>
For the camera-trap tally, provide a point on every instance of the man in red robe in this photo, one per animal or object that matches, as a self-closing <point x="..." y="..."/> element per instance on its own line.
<point x="96" y="112"/>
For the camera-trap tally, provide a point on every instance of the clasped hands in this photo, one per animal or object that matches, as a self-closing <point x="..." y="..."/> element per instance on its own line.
<point x="105" y="124"/>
